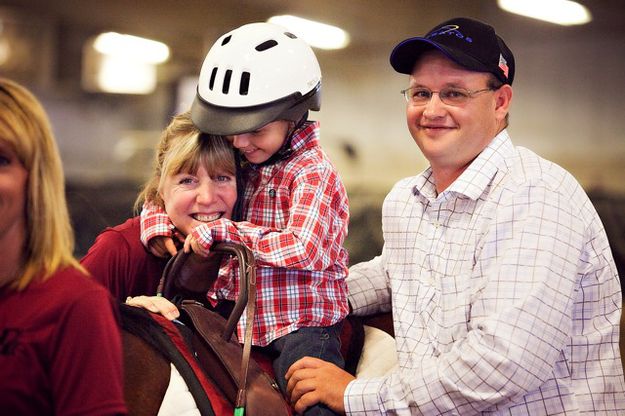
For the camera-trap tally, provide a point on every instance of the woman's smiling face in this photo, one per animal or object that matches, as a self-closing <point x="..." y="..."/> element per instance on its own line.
<point x="195" y="198"/>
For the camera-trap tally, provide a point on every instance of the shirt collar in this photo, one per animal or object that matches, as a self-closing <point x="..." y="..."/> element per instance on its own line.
<point x="306" y="136"/>
<point x="480" y="173"/>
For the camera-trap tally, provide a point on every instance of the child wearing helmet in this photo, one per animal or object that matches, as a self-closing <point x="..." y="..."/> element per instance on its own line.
<point x="256" y="86"/>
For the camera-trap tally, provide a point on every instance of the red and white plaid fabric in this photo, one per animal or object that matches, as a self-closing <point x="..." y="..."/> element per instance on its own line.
<point x="296" y="214"/>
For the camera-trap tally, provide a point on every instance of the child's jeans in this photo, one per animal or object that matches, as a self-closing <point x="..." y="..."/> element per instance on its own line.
<point x="318" y="342"/>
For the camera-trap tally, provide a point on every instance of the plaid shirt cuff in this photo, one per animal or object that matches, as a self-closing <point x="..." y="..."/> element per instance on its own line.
<point x="154" y="223"/>
<point x="202" y="234"/>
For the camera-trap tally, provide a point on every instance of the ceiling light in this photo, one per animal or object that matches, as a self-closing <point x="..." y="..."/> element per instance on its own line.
<point x="562" y="12"/>
<point x="131" y="47"/>
<point x="117" y="75"/>
<point x="121" y="64"/>
<point x="318" y="35"/>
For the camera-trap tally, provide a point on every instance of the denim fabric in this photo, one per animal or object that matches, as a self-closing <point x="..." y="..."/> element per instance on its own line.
<point x="323" y="343"/>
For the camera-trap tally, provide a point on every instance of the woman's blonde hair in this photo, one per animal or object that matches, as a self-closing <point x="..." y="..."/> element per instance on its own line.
<point x="49" y="244"/>
<point x="183" y="148"/>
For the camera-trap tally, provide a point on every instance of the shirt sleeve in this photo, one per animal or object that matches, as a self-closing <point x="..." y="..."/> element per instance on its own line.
<point x="369" y="290"/>
<point x="108" y="260"/>
<point x="315" y="231"/>
<point x="86" y="368"/>
<point x="154" y="223"/>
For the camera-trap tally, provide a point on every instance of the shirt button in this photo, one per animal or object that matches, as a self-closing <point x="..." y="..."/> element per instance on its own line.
<point x="272" y="193"/>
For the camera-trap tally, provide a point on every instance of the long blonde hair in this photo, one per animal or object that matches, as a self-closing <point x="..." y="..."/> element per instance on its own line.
<point x="49" y="243"/>
<point x="183" y="148"/>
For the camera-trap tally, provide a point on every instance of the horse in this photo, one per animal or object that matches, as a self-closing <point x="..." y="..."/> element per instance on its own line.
<point x="157" y="351"/>
<point x="161" y="373"/>
<point x="144" y="381"/>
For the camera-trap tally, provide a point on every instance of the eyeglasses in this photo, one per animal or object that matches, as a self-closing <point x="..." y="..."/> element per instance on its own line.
<point x="450" y="96"/>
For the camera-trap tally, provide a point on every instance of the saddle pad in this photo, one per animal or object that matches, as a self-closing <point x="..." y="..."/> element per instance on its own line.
<point x="219" y="404"/>
<point x="178" y="400"/>
<point x="379" y="356"/>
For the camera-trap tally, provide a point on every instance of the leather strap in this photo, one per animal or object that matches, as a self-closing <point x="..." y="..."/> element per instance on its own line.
<point x="245" y="299"/>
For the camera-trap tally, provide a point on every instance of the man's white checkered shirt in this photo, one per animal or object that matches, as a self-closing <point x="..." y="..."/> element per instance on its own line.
<point x="505" y="296"/>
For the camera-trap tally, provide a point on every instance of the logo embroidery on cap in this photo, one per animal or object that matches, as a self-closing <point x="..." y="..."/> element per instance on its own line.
<point x="503" y="65"/>
<point x="450" y="30"/>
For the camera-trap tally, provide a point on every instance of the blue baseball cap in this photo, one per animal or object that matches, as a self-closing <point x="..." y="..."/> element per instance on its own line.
<point x="470" y="43"/>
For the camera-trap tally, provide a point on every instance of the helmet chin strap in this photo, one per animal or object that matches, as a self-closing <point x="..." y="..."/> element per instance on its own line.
<point x="237" y="211"/>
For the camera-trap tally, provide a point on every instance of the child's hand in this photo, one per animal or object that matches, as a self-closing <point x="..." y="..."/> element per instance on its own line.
<point x="162" y="246"/>
<point x="192" y="244"/>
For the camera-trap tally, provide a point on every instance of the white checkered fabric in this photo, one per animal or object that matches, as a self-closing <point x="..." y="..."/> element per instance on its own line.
<point x="505" y="296"/>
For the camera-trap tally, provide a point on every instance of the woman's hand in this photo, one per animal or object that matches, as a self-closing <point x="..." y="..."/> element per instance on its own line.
<point x="156" y="304"/>
<point x="162" y="246"/>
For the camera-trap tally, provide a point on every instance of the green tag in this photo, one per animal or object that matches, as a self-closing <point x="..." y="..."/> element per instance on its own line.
<point x="239" y="411"/>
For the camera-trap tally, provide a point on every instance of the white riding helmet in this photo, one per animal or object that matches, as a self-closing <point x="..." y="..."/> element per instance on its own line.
<point x="253" y="75"/>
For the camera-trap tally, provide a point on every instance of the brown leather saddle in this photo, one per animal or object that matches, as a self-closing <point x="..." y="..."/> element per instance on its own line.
<point x="225" y="360"/>
<point x="186" y="280"/>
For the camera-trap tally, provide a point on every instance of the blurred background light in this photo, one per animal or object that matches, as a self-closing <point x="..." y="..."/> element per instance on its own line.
<point x="118" y="75"/>
<point x="316" y="34"/>
<point x="561" y="12"/>
<point x="122" y="64"/>
<point x="131" y="47"/>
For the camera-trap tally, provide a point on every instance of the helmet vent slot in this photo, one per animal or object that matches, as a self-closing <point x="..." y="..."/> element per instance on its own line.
<point x="211" y="82"/>
<point x="226" y="40"/>
<point x="290" y="35"/>
<point x="226" y="87"/>
<point x="245" y="83"/>
<point x="268" y="44"/>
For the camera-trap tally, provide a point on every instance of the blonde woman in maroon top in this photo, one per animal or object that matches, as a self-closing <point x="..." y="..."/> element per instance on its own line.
<point x="60" y="347"/>
<point x="193" y="180"/>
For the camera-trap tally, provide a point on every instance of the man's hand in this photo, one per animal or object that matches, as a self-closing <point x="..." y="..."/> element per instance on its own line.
<point x="311" y="381"/>
<point x="156" y="304"/>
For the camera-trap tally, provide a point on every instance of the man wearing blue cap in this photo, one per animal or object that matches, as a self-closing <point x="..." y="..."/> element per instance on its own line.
<point x="496" y="267"/>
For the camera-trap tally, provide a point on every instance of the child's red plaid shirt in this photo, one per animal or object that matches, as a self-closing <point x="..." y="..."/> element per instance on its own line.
<point x="296" y="213"/>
